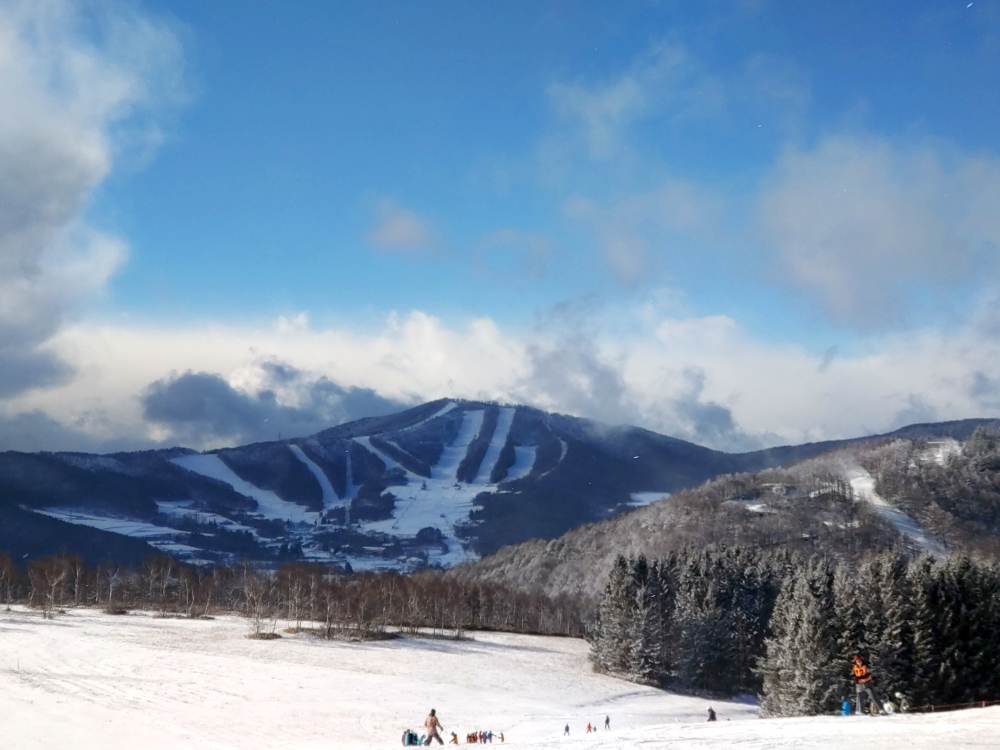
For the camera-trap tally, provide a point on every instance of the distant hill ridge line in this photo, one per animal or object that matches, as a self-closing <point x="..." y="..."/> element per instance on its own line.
<point x="435" y="484"/>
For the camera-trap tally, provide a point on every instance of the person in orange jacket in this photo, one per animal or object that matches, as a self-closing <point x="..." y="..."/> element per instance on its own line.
<point x="863" y="683"/>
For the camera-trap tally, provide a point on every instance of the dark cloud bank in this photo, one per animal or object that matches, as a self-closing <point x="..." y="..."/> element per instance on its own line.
<point x="200" y="407"/>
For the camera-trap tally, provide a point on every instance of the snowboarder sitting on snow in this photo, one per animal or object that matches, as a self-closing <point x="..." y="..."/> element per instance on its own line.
<point x="863" y="683"/>
<point x="432" y="725"/>
<point x="711" y="714"/>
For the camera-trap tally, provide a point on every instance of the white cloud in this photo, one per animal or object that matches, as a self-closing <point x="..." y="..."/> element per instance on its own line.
<point x="703" y="379"/>
<point x="665" y="81"/>
<point x="602" y="113"/>
<point x="399" y="228"/>
<point x="857" y="222"/>
<point x="75" y="88"/>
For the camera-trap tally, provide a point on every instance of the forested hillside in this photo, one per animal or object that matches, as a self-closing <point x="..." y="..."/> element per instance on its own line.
<point x="950" y="490"/>
<point x="954" y="494"/>
<point x="785" y="627"/>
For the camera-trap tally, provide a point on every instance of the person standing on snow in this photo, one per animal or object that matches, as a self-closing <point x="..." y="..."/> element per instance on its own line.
<point x="607" y="722"/>
<point x="863" y="683"/>
<point x="566" y="731"/>
<point x="432" y="725"/>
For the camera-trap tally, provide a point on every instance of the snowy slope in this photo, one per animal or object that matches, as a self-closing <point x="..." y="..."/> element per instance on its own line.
<point x="440" y="501"/>
<point x="504" y="420"/>
<point x="91" y="681"/>
<point x="269" y="505"/>
<point x="330" y="499"/>
<point x="863" y="485"/>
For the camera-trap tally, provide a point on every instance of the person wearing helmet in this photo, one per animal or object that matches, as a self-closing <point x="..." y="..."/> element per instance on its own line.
<point x="863" y="684"/>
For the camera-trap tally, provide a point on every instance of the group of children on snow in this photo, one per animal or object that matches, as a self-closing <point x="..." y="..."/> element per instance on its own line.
<point x="865" y="697"/>
<point x="592" y="727"/>
<point x="434" y="728"/>
<point x="482" y="737"/>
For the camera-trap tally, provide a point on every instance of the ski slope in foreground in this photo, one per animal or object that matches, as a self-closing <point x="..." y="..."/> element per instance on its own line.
<point x="88" y="680"/>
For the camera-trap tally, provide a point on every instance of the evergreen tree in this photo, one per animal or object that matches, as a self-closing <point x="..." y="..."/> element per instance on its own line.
<point x="800" y="674"/>
<point x="703" y="628"/>
<point x="611" y="646"/>
<point x="667" y="571"/>
<point x="891" y="654"/>
<point x="646" y="658"/>
<point x="850" y="633"/>
<point x="923" y="632"/>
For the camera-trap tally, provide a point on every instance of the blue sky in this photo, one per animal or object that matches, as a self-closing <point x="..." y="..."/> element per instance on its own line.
<point x="741" y="222"/>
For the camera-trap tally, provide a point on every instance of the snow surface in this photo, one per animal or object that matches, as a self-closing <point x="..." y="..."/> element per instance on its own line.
<point x="140" y="529"/>
<point x="440" y="501"/>
<point x="181" y="509"/>
<point x="269" y="505"/>
<point x="647" y="498"/>
<point x="940" y="451"/>
<point x="91" y="681"/>
<point x="863" y="485"/>
<point x="439" y="413"/>
<point x="524" y="462"/>
<point x="447" y="466"/>
<point x="330" y="499"/>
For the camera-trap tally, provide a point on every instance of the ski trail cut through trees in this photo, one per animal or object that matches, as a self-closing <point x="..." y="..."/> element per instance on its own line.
<point x="447" y="466"/>
<point x="439" y="413"/>
<point x="330" y="498"/>
<point x="269" y="505"/>
<point x="562" y="454"/>
<point x="499" y="440"/>
<point x="863" y="485"/>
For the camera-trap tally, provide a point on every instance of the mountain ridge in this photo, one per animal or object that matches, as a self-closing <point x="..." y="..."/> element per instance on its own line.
<point x="437" y="484"/>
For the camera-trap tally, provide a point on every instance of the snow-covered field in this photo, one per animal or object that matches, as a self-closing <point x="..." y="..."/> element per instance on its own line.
<point x="92" y="681"/>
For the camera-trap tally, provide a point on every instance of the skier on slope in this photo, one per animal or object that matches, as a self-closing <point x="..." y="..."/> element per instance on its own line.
<point x="863" y="683"/>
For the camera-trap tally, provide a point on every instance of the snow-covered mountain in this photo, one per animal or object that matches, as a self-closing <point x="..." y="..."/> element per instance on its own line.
<point x="438" y="484"/>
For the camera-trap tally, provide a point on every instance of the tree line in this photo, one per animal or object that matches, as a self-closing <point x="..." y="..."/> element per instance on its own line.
<point x="323" y="598"/>
<point x="785" y="627"/>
